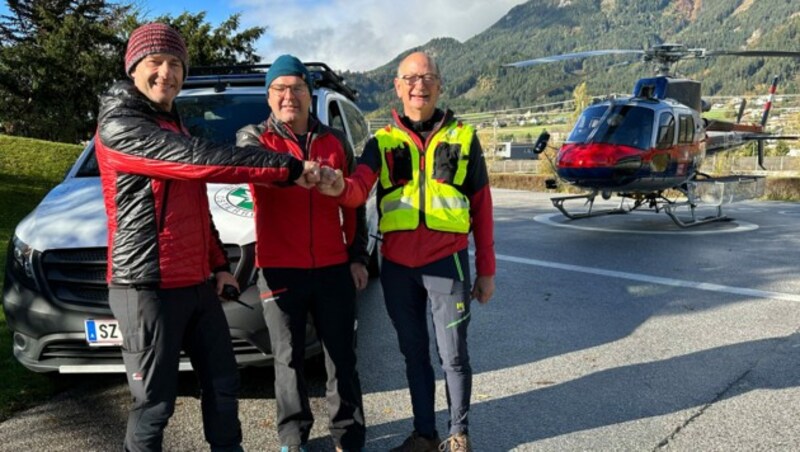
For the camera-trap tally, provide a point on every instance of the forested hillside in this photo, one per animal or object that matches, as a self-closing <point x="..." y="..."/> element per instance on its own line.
<point x="474" y="79"/>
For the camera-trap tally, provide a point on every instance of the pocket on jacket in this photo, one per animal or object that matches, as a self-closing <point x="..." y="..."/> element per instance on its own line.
<point x="445" y="163"/>
<point x="399" y="164"/>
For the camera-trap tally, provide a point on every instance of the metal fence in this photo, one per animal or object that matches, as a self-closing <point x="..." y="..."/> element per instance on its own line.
<point x="513" y="166"/>
<point x="785" y="165"/>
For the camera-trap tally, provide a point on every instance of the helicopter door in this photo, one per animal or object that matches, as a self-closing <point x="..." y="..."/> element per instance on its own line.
<point x="664" y="142"/>
<point x="686" y="144"/>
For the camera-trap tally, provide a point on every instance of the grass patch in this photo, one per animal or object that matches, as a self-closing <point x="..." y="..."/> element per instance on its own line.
<point x="782" y="189"/>
<point x="28" y="170"/>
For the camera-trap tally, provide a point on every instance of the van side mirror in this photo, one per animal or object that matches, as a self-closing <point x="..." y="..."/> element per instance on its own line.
<point x="541" y="142"/>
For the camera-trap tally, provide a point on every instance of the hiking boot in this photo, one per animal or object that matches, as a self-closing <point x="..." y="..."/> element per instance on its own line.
<point x="456" y="443"/>
<point x="418" y="443"/>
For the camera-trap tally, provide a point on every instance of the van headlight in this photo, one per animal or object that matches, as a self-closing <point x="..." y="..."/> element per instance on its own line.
<point x="21" y="262"/>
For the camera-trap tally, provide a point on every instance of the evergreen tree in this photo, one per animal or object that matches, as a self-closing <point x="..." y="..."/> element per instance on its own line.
<point x="55" y="57"/>
<point x="216" y="47"/>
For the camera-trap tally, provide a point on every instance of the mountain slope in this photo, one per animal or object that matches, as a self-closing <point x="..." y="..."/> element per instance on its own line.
<point x="474" y="79"/>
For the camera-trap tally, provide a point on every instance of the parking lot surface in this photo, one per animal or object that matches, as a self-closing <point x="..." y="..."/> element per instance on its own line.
<point x="614" y="333"/>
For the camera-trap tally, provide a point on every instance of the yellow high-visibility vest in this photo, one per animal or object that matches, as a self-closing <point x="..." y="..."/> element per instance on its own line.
<point x="440" y="203"/>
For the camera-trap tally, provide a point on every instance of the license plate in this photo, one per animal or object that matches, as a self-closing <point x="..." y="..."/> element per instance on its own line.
<point x="103" y="332"/>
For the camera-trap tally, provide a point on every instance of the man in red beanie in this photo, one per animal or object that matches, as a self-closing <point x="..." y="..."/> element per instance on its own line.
<point x="162" y="244"/>
<point x="315" y="273"/>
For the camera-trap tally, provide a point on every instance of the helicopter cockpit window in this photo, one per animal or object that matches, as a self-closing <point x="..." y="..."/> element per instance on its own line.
<point x="627" y="125"/>
<point x="666" y="130"/>
<point x="589" y="120"/>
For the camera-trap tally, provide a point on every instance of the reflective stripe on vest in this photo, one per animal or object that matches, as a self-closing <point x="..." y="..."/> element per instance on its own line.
<point x="445" y="207"/>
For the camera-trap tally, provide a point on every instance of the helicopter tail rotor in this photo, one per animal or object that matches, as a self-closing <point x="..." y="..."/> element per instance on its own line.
<point x="768" y="104"/>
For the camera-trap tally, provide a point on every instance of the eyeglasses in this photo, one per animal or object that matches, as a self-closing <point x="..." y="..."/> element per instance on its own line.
<point x="427" y="79"/>
<point x="297" y="90"/>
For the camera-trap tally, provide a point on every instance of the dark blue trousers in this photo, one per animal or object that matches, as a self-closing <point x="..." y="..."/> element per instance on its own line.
<point x="409" y="296"/>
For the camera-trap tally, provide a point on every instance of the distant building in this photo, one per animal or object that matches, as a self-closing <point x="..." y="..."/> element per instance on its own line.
<point x="516" y="151"/>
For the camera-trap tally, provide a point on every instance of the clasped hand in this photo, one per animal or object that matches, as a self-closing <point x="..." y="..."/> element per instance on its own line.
<point x="327" y="180"/>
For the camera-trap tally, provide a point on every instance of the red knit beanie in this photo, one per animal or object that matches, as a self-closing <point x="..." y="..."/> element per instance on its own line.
<point x="155" y="38"/>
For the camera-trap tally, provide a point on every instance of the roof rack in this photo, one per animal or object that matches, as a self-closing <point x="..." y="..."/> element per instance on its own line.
<point x="221" y="77"/>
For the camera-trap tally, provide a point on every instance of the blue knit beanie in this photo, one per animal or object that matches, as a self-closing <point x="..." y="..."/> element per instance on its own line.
<point x="288" y="65"/>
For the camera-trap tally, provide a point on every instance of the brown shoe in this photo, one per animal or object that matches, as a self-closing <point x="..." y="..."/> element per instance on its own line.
<point x="456" y="443"/>
<point x="418" y="443"/>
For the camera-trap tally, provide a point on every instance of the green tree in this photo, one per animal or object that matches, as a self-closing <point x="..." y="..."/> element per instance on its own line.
<point x="55" y="56"/>
<point x="781" y="148"/>
<point x="581" y="99"/>
<point x="222" y="46"/>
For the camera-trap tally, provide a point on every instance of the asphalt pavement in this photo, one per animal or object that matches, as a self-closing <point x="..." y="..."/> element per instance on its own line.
<point x="615" y="333"/>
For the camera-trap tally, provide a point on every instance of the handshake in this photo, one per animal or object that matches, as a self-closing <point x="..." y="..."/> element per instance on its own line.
<point x="327" y="180"/>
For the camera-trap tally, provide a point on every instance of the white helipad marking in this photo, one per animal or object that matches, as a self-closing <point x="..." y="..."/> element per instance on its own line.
<point x="547" y="218"/>
<point x="653" y="279"/>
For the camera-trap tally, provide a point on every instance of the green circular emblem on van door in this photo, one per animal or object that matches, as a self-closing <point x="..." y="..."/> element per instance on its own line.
<point x="235" y="199"/>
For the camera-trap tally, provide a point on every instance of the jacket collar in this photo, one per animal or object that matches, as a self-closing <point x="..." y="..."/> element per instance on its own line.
<point x="130" y="96"/>
<point x="280" y="128"/>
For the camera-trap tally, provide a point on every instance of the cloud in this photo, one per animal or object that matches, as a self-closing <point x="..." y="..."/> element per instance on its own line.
<point x="363" y="34"/>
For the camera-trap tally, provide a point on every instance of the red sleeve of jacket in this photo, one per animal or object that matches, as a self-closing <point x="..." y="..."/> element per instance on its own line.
<point x="134" y="141"/>
<point x="480" y="202"/>
<point x="359" y="185"/>
<point x="483" y="231"/>
<point x="349" y="219"/>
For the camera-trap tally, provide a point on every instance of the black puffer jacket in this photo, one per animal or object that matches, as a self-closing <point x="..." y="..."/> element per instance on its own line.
<point x="153" y="174"/>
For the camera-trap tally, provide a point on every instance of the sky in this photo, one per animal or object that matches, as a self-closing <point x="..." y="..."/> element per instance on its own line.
<point x="355" y="35"/>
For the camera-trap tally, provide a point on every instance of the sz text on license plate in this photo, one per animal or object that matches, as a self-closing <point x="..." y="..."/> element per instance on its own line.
<point x="102" y="332"/>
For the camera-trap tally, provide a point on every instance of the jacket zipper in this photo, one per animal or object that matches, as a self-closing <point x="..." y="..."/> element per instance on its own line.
<point x="307" y="155"/>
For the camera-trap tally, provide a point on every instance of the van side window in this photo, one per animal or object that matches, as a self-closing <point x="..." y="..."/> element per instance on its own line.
<point x="335" y="118"/>
<point x="359" y="132"/>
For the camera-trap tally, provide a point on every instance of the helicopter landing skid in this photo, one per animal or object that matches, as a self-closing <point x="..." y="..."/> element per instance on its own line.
<point x="658" y="203"/>
<point x="670" y="209"/>
<point x="558" y="202"/>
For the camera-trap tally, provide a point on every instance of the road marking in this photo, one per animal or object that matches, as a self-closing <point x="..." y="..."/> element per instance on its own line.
<point x="741" y="226"/>
<point x="653" y="279"/>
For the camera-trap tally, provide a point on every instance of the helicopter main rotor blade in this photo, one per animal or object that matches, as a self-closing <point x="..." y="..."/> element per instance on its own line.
<point x="753" y="53"/>
<point x="573" y="56"/>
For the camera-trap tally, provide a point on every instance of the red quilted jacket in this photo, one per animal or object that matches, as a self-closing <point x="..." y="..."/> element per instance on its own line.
<point x="153" y="174"/>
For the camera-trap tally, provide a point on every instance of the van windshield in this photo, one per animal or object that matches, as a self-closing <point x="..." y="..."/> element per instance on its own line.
<point x="215" y="117"/>
<point x="218" y="117"/>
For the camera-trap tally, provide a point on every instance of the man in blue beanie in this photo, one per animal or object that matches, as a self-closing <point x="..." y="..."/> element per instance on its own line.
<point x="288" y="65"/>
<point x="315" y="268"/>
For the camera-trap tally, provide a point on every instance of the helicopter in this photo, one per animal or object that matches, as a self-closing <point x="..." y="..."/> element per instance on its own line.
<point x="649" y="146"/>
